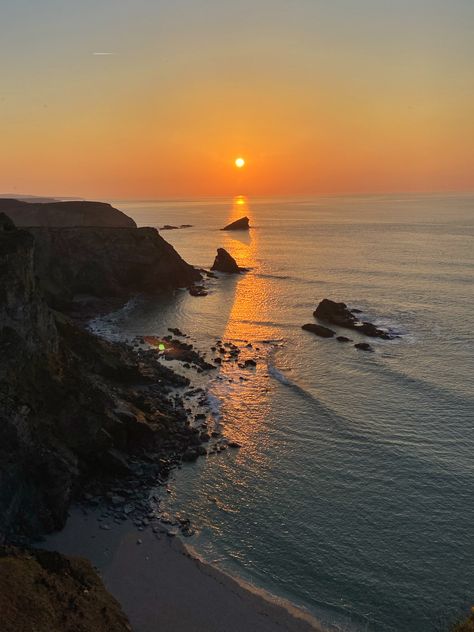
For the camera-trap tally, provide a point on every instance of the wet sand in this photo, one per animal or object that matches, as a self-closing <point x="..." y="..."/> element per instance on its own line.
<point x="163" y="587"/>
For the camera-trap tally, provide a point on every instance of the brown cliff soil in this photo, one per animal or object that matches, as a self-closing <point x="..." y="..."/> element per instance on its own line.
<point x="43" y="591"/>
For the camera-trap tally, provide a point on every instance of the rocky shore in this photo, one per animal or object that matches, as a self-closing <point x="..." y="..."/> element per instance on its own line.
<point x="74" y="408"/>
<point x="85" y="421"/>
<point x="81" y="419"/>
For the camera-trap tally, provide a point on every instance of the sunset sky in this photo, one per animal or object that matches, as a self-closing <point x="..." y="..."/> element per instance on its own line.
<point x="318" y="96"/>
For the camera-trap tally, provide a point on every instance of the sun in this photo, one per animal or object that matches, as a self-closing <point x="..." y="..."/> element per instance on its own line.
<point x="239" y="163"/>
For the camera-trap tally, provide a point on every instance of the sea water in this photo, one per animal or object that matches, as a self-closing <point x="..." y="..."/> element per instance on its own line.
<point x="353" y="492"/>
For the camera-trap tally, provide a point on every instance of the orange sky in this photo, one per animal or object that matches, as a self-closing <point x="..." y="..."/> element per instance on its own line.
<point x="318" y="97"/>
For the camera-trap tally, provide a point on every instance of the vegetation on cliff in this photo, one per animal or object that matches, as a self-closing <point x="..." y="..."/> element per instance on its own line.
<point x="80" y="213"/>
<point x="48" y="592"/>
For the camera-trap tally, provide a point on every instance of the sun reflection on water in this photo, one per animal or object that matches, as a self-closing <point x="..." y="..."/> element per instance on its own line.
<point x="245" y="392"/>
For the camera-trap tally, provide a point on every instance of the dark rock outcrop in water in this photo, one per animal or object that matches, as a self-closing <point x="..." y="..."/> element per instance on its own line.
<point x="363" y="346"/>
<point x="106" y="262"/>
<point x="45" y="591"/>
<point x="60" y="214"/>
<point x="239" y="224"/>
<point x="319" y="330"/>
<point x="339" y="314"/>
<point x="73" y="407"/>
<point x="343" y="339"/>
<point x="224" y="262"/>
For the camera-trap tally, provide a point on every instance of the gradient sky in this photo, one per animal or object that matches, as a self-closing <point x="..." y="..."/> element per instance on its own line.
<point x="319" y="96"/>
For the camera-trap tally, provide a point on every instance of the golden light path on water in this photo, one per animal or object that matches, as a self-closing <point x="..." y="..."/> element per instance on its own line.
<point x="245" y="401"/>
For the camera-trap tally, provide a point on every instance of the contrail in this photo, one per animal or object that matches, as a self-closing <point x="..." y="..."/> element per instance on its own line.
<point x="103" y="53"/>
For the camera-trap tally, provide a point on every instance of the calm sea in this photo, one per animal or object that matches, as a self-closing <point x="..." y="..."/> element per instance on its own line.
<point x="353" y="493"/>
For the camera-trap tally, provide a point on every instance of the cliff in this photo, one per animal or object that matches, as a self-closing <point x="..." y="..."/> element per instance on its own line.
<point x="73" y="408"/>
<point x="107" y="262"/>
<point x="65" y="214"/>
<point x="45" y="591"/>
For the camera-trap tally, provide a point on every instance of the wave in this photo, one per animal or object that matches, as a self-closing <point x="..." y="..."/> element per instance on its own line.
<point x="214" y="404"/>
<point x="283" y="379"/>
<point x="284" y="277"/>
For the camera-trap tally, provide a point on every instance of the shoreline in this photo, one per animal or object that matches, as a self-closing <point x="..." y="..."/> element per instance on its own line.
<point x="162" y="584"/>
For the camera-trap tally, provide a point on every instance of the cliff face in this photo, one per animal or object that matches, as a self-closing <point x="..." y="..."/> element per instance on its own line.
<point x="105" y="262"/>
<point x="72" y="407"/>
<point x="23" y="313"/>
<point x="65" y="214"/>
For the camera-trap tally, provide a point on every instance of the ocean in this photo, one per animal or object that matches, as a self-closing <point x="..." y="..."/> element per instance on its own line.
<point x="353" y="492"/>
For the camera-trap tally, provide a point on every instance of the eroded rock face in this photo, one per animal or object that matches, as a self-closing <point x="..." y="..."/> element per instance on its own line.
<point x="239" y="224"/>
<point x="224" y="262"/>
<point x="23" y="312"/>
<point x="107" y="262"/>
<point x="46" y="591"/>
<point x="62" y="396"/>
<point x="65" y="214"/>
<point x="339" y="314"/>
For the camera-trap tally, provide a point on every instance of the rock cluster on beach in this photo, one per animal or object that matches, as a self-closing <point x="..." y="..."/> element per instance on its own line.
<point x="239" y="224"/>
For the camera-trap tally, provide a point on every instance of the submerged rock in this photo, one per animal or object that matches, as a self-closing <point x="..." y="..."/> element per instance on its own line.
<point x="197" y="290"/>
<point x="239" y="224"/>
<point x="319" y="330"/>
<point x="224" y="262"/>
<point x="363" y="346"/>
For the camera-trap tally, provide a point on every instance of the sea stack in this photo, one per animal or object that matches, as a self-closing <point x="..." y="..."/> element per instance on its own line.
<point x="239" y="224"/>
<point x="339" y="314"/>
<point x="224" y="262"/>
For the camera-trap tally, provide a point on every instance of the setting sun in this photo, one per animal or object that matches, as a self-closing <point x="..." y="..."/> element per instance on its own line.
<point x="239" y="163"/>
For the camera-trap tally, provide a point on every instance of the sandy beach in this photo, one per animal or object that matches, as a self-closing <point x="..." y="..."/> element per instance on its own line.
<point x="162" y="586"/>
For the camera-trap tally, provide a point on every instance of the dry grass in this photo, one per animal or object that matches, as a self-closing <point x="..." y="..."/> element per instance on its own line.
<point x="47" y="592"/>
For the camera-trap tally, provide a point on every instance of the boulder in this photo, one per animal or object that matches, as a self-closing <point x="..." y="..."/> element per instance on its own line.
<point x="197" y="290"/>
<point x="224" y="262"/>
<point x="319" y="330"/>
<point x="343" y="339"/>
<point x="363" y="346"/>
<point x="339" y="314"/>
<point x="335" y="313"/>
<point x="239" y="224"/>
